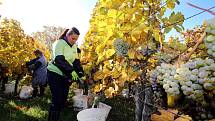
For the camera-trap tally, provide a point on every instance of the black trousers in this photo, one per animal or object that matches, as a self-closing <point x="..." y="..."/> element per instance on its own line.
<point x="41" y="88"/>
<point x="59" y="87"/>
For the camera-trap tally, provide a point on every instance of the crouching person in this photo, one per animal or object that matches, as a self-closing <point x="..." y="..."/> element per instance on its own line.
<point x="38" y="66"/>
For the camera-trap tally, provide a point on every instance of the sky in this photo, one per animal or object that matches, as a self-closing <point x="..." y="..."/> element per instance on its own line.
<point x="33" y="14"/>
<point x="189" y="11"/>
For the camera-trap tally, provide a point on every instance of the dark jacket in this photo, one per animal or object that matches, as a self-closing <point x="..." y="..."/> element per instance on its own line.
<point x="38" y="66"/>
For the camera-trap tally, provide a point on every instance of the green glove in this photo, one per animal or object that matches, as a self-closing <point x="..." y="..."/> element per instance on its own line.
<point x="83" y="78"/>
<point x="74" y="76"/>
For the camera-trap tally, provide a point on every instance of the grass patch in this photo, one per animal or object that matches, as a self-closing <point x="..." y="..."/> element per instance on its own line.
<point x="14" y="109"/>
<point x="122" y="109"/>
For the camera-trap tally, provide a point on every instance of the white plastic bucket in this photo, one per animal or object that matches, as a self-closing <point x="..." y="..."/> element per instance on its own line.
<point x="78" y="92"/>
<point x="9" y="89"/>
<point x="92" y="114"/>
<point x="106" y="107"/>
<point x="26" y="92"/>
<point x="125" y="93"/>
<point x="80" y="102"/>
<point x="95" y="114"/>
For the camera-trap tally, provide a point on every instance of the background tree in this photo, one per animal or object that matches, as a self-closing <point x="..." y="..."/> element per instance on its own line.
<point x="48" y="35"/>
<point x="16" y="48"/>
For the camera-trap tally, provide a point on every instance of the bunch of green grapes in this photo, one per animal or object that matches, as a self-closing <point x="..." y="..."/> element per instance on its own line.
<point x="164" y="75"/>
<point x="195" y="76"/>
<point x="121" y="47"/>
<point x="203" y="115"/>
<point x="189" y="84"/>
<point x="164" y="57"/>
<point x="210" y="38"/>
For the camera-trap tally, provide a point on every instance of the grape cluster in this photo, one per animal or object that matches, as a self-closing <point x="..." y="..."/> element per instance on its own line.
<point x="210" y="38"/>
<point x="188" y="78"/>
<point x="195" y="76"/>
<point x="206" y="75"/>
<point x="165" y="76"/>
<point x="121" y="47"/>
<point x="164" y="57"/>
<point x="192" y="78"/>
<point x="203" y="115"/>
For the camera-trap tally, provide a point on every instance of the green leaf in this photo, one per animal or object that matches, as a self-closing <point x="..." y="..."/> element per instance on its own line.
<point x="167" y="29"/>
<point x="163" y="10"/>
<point x="176" y="17"/>
<point x="177" y="28"/>
<point x="174" y="21"/>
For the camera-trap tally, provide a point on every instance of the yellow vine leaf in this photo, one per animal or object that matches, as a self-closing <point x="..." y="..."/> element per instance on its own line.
<point x="103" y="10"/>
<point x="113" y="3"/>
<point x="131" y="54"/>
<point x="107" y="64"/>
<point x="162" y="11"/>
<point x="100" y="58"/>
<point x="139" y="56"/>
<point x="156" y="35"/>
<point x="98" y="75"/>
<point x="109" y="92"/>
<point x="134" y="38"/>
<point x="109" y="53"/>
<point x="136" y="32"/>
<point x="97" y="88"/>
<point x="124" y="76"/>
<point x="184" y="118"/>
<point x="169" y="115"/>
<point x="171" y="5"/>
<point x="165" y="115"/>
<point x="106" y="72"/>
<point x="112" y="13"/>
<point x="127" y="26"/>
<point x="100" y="48"/>
<point x="115" y="73"/>
<point x="132" y="74"/>
<point x="131" y="11"/>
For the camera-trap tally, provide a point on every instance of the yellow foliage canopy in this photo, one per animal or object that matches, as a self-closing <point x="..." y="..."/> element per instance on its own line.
<point x="16" y="48"/>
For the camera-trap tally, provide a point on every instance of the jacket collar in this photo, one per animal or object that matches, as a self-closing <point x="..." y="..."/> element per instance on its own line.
<point x="67" y="41"/>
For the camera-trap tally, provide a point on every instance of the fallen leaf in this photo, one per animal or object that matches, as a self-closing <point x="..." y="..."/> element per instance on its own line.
<point x="184" y="118"/>
<point x="21" y="108"/>
<point x="165" y="115"/>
